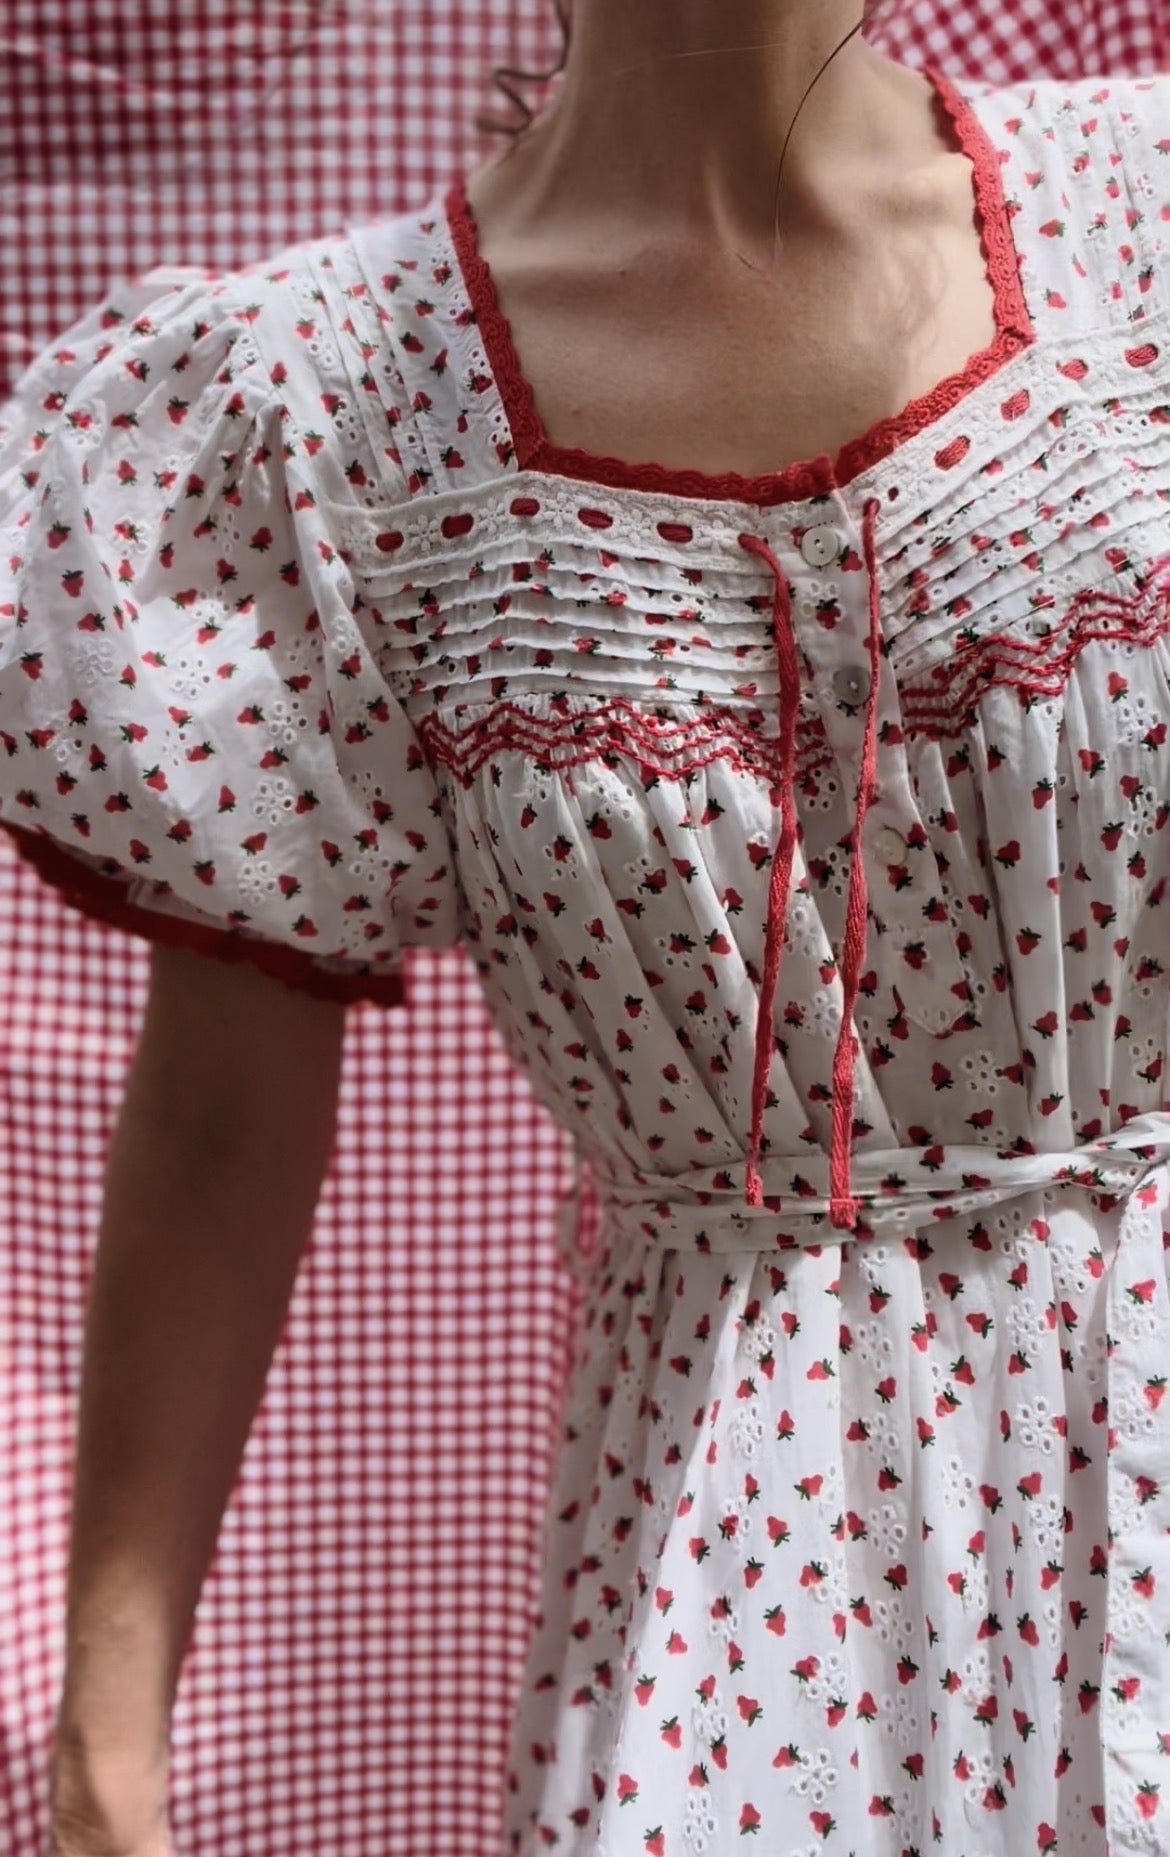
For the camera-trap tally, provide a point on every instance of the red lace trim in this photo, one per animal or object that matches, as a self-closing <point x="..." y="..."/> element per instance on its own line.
<point x="810" y="477"/>
<point x="103" y="899"/>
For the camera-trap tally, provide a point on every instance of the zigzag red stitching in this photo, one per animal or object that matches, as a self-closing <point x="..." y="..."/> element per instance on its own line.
<point x="933" y="706"/>
<point x="613" y="730"/>
<point x="944" y="702"/>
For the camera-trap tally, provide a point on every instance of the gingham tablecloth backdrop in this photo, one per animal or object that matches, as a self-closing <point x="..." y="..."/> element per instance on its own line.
<point x="360" y="1638"/>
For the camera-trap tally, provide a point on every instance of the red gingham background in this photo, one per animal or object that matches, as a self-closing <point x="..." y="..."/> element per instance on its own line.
<point x="361" y="1635"/>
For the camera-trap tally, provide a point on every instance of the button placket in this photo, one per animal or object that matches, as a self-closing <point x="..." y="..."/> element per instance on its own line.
<point x="902" y="874"/>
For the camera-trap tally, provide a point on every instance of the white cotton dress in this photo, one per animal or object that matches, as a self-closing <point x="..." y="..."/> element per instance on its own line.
<point x="811" y="837"/>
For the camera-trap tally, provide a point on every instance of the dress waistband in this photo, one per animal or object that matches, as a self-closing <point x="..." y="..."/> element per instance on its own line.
<point x="897" y="1189"/>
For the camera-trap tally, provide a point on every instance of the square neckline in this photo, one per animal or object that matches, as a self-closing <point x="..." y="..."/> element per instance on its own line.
<point x="804" y="478"/>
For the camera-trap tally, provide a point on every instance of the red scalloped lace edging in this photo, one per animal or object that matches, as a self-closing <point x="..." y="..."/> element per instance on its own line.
<point x="103" y="900"/>
<point x="1000" y="253"/>
<point x="808" y="477"/>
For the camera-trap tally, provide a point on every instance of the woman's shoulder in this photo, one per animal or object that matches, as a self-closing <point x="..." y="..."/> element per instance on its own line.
<point x="1137" y="106"/>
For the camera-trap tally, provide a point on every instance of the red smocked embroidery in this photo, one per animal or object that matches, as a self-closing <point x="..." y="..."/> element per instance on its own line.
<point x="936" y="706"/>
<point x="946" y="701"/>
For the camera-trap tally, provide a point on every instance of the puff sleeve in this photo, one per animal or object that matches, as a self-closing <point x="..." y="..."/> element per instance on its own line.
<point x="196" y="742"/>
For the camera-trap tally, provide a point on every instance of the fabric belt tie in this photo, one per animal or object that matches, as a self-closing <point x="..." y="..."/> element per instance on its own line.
<point x="895" y="1189"/>
<point x="844" y="1207"/>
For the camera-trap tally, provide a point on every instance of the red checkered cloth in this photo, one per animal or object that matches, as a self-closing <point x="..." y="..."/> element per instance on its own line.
<point x="360" y="1640"/>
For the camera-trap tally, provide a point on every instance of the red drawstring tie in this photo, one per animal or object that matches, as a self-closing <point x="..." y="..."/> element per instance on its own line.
<point x="842" y="1206"/>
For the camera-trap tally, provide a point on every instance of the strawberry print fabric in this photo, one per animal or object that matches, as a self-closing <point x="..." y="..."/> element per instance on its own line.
<point x="859" y="1538"/>
<point x="197" y="742"/>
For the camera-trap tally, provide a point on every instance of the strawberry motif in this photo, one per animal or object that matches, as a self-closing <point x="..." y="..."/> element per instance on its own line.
<point x="255" y="666"/>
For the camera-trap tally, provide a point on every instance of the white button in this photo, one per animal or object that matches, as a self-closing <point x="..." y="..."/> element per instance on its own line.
<point x="821" y="546"/>
<point x="890" y="846"/>
<point x="852" y="682"/>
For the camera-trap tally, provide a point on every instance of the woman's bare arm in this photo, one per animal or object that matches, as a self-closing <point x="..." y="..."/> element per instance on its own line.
<point x="213" y="1177"/>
